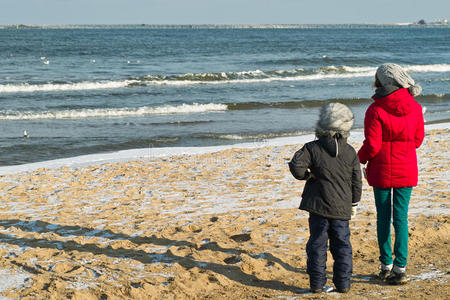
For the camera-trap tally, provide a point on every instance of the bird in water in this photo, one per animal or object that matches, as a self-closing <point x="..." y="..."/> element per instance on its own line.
<point x="25" y="134"/>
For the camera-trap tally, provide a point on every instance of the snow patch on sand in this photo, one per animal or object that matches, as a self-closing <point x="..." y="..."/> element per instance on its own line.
<point x="11" y="279"/>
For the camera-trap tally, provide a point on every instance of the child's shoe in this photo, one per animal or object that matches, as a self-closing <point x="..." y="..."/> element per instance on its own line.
<point x="317" y="291"/>
<point x="397" y="278"/>
<point x="385" y="272"/>
<point x="343" y="291"/>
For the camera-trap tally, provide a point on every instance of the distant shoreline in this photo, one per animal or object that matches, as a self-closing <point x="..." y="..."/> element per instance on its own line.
<point x="217" y="26"/>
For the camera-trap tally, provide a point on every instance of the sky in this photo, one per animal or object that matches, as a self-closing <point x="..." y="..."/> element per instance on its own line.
<point x="59" y="12"/>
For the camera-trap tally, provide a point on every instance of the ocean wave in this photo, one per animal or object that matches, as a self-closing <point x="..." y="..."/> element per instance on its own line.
<point x="79" y="86"/>
<point x="428" y="112"/>
<point x="256" y="137"/>
<point x="427" y="98"/>
<point x="181" y="123"/>
<point x="428" y="68"/>
<point x="252" y="76"/>
<point x="295" y="104"/>
<point x="299" y="74"/>
<point x="173" y="123"/>
<point x="113" y="112"/>
<point x="433" y="97"/>
<point x="409" y="68"/>
<point x="190" y="108"/>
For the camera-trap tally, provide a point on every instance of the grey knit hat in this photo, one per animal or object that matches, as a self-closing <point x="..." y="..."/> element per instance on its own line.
<point x="334" y="118"/>
<point x="392" y="74"/>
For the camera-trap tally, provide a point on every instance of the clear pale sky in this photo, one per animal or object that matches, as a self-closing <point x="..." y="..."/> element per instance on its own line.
<point x="33" y="12"/>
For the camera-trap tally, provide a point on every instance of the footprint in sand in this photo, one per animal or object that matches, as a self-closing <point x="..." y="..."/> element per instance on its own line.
<point x="244" y="237"/>
<point x="232" y="260"/>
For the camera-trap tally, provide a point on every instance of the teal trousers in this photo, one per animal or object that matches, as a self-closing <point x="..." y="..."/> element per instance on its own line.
<point x="396" y="205"/>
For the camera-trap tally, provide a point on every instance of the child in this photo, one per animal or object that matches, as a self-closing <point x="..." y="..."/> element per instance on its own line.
<point x="393" y="130"/>
<point x="332" y="191"/>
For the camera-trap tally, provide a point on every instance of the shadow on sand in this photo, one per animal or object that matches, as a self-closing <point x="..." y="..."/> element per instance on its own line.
<point x="228" y="270"/>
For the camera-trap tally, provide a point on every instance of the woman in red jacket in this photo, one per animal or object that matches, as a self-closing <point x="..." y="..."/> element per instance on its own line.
<point x="393" y="129"/>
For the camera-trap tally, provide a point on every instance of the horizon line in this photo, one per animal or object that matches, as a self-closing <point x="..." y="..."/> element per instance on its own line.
<point x="206" y="25"/>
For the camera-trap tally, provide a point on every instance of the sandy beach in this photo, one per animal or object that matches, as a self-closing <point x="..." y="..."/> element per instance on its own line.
<point x="221" y="225"/>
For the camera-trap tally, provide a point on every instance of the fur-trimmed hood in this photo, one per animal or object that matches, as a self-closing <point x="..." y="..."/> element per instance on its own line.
<point x="335" y="120"/>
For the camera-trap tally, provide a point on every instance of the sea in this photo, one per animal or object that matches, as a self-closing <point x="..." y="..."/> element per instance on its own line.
<point x="72" y="91"/>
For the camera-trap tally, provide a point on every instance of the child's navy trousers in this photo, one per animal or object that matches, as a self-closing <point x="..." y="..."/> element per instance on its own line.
<point x="321" y="230"/>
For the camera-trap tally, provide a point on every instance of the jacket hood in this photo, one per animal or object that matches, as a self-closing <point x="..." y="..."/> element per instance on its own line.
<point x="333" y="144"/>
<point x="334" y="119"/>
<point x="397" y="102"/>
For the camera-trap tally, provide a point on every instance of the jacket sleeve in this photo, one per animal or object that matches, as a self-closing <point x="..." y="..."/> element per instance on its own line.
<point x="356" y="181"/>
<point x="300" y="163"/>
<point x="373" y="136"/>
<point x="420" y="131"/>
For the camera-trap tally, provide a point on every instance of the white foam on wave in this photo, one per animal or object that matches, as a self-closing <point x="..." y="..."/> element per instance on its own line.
<point x="50" y="87"/>
<point x="311" y="77"/>
<point x="80" y="86"/>
<point x="115" y="112"/>
<point x="331" y="72"/>
<point x="428" y="68"/>
<point x="357" y="135"/>
<point x="257" y="137"/>
<point x="232" y="137"/>
<point x="359" y="69"/>
<point x="409" y="68"/>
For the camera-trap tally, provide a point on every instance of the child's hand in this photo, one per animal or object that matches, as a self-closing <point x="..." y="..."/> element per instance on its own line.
<point x="354" y="211"/>
<point x="311" y="175"/>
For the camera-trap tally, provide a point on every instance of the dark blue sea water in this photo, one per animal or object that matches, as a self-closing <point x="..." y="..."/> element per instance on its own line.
<point x="92" y="90"/>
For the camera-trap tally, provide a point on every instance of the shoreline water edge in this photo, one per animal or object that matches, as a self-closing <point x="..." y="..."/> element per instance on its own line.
<point x="149" y="153"/>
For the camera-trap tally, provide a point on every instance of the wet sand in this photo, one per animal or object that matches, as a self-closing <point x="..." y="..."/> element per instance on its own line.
<point x="221" y="225"/>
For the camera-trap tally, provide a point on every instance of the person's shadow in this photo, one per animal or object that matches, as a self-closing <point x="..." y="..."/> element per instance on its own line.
<point x="228" y="270"/>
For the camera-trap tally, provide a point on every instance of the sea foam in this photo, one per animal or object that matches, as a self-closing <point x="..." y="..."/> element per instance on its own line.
<point x="27" y="88"/>
<point x="113" y="112"/>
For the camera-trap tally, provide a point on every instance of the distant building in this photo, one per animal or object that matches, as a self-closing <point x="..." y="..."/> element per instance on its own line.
<point x="437" y="22"/>
<point x="440" y="22"/>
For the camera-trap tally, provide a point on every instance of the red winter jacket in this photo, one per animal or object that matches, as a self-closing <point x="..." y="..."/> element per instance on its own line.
<point x="393" y="129"/>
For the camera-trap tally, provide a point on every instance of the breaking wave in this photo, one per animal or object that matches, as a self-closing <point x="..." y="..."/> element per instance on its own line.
<point x="48" y="87"/>
<point x="258" y="137"/>
<point x="254" y="76"/>
<point x="191" y="108"/>
<point x="113" y="112"/>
